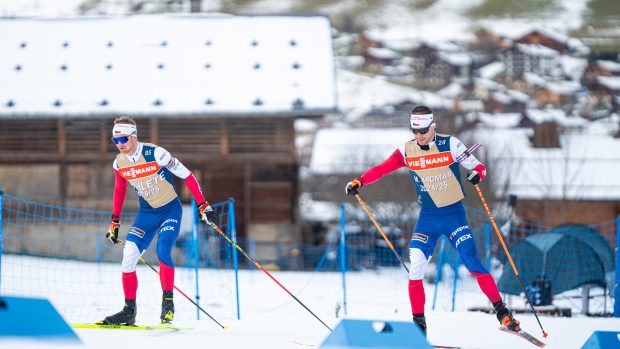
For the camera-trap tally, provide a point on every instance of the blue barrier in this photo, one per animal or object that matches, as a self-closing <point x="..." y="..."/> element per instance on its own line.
<point x="369" y="334"/>
<point x="603" y="340"/>
<point x="46" y="323"/>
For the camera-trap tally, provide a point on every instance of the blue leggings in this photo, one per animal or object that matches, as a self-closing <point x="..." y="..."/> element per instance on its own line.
<point x="166" y="220"/>
<point x="451" y="222"/>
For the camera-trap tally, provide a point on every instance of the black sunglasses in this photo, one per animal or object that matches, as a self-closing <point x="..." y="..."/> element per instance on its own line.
<point x="421" y="131"/>
<point x="122" y="140"/>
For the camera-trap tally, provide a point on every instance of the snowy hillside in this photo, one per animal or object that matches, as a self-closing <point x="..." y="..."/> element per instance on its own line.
<point x="396" y="19"/>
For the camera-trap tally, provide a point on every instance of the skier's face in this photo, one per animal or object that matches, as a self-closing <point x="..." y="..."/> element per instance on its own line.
<point x="426" y="137"/>
<point x="126" y="144"/>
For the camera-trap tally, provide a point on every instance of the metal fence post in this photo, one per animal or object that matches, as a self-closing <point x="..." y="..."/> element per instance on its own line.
<point x="439" y="266"/>
<point x="343" y="258"/>
<point x="456" y="277"/>
<point x="487" y="234"/>
<point x="232" y="232"/>
<point x="194" y="250"/>
<point x="1" y="195"/>
<point x="617" y="283"/>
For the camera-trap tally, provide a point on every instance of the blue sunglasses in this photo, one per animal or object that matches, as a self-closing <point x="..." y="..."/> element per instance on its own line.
<point x="122" y="140"/>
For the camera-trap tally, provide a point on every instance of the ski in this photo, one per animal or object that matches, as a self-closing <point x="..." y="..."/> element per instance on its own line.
<point x="161" y="327"/>
<point x="528" y="337"/>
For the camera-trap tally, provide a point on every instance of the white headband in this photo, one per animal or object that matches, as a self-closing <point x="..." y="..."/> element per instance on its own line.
<point x="421" y="121"/>
<point x="124" y="129"/>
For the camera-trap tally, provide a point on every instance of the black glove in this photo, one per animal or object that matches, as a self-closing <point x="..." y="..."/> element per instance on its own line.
<point x="112" y="234"/>
<point x="473" y="177"/>
<point x="477" y="175"/>
<point x="353" y="186"/>
<point x="207" y="214"/>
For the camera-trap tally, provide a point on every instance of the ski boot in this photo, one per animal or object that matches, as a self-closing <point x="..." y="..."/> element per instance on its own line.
<point x="167" y="308"/>
<point x="420" y="320"/>
<point x="127" y="316"/>
<point x="505" y="317"/>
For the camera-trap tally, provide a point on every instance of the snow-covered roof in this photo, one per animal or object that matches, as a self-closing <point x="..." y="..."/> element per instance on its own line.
<point x="444" y="46"/>
<point x="501" y="97"/>
<point x="491" y="70"/>
<point x="489" y="84"/>
<point x="584" y="168"/>
<point x="537" y="50"/>
<point x="460" y="59"/>
<point x="555" y="115"/>
<point x="382" y="53"/>
<point x="611" y="82"/>
<point x="167" y="64"/>
<point x="553" y="34"/>
<point x="500" y="120"/>
<point x="564" y="87"/>
<point x="534" y="79"/>
<point x="470" y="105"/>
<point x="453" y="90"/>
<point x="354" y="150"/>
<point x="518" y="95"/>
<point x="546" y="115"/>
<point x="609" y="65"/>
<point x="573" y="67"/>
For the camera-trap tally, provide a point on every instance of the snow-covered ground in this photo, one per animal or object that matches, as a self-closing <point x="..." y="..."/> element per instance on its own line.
<point x="270" y="318"/>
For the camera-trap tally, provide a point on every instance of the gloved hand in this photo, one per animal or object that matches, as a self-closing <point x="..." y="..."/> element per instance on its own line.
<point x="112" y="234"/>
<point x="207" y="214"/>
<point x="477" y="175"/>
<point x="353" y="186"/>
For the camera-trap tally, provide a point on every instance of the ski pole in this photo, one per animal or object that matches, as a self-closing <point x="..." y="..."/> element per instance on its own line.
<point x="265" y="271"/>
<point x="359" y="198"/>
<point x="514" y="267"/>
<point x="224" y="327"/>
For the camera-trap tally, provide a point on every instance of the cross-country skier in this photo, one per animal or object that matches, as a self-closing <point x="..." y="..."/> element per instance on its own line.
<point x="430" y="158"/>
<point x="149" y="169"/>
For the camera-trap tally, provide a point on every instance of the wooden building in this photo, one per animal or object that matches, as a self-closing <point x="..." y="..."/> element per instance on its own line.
<point x="220" y="93"/>
<point x="552" y="39"/>
<point x="599" y="68"/>
<point x="528" y="58"/>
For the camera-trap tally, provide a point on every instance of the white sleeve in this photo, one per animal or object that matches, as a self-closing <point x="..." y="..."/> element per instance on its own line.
<point x="115" y="165"/>
<point x="457" y="148"/>
<point x="165" y="159"/>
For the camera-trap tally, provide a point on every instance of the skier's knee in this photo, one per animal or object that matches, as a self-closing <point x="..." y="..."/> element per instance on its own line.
<point x="131" y="255"/>
<point x="418" y="264"/>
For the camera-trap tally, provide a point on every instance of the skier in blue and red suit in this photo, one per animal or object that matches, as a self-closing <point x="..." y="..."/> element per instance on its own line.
<point x="430" y="158"/>
<point x="148" y="168"/>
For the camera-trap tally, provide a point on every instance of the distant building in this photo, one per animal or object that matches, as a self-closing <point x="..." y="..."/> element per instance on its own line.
<point x="437" y="64"/>
<point x="376" y="58"/>
<point x="527" y="58"/>
<point x="551" y="39"/>
<point x="599" y="68"/>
